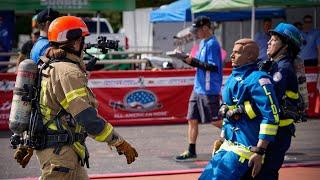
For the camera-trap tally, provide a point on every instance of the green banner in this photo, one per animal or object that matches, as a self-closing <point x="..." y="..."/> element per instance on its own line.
<point x="216" y="5"/>
<point x="20" y="6"/>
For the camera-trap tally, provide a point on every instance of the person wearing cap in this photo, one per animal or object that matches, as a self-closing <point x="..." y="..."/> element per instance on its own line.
<point x="27" y="46"/>
<point x="44" y="18"/>
<point x="69" y="108"/>
<point x="204" y="100"/>
<point x="250" y="119"/>
<point x="283" y="48"/>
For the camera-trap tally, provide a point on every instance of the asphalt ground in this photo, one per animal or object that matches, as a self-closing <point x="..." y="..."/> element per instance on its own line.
<point x="157" y="146"/>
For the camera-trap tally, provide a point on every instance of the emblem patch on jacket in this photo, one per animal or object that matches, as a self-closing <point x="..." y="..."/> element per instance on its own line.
<point x="264" y="81"/>
<point x="277" y="76"/>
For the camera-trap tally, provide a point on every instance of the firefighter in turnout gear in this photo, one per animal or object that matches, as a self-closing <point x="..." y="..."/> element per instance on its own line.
<point x="68" y="106"/>
<point x="250" y="117"/>
<point x="283" y="48"/>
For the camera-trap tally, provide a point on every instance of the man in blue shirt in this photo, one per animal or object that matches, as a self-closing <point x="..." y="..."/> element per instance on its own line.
<point x="204" y="100"/>
<point x="246" y="135"/>
<point x="262" y="38"/>
<point x="310" y="50"/>
<point x="44" y="18"/>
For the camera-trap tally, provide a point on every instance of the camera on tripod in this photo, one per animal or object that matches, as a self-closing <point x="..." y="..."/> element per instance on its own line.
<point x="104" y="44"/>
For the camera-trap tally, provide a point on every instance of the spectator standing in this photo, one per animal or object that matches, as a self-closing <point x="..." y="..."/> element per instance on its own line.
<point x="44" y="18"/>
<point x="27" y="46"/>
<point x="204" y="100"/>
<point x="263" y="37"/>
<point x="310" y="50"/>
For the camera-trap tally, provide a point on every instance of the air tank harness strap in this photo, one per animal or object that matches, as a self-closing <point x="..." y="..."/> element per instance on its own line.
<point x="61" y="136"/>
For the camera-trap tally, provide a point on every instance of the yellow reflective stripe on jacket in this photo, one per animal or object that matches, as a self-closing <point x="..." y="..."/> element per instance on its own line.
<point x="249" y="110"/>
<point x="43" y="96"/>
<point x="241" y="151"/>
<point x="105" y="133"/>
<point x="285" y="122"/>
<point x="292" y="94"/>
<point x="73" y="95"/>
<point x="77" y="146"/>
<point x="268" y="129"/>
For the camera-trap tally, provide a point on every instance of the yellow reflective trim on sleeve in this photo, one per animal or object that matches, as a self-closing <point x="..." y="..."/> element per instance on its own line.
<point x="73" y="95"/>
<point x="292" y="94"/>
<point x="105" y="133"/>
<point x="285" y="122"/>
<point x="249" y="110"/>
<point x="80" y="149"/>
<point x="268" y="129"/>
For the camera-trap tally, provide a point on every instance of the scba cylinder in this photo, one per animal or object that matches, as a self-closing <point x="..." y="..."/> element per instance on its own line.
<point x="22" y="95"/>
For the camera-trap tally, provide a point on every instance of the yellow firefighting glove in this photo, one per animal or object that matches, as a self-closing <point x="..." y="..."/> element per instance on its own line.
<point x="23" y="155"/>
<point x="216" y="145"/>
<point x="125" y="148"/>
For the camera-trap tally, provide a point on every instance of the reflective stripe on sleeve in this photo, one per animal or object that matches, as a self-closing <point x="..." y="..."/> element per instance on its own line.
<point x="268" y="129"/>
<point x="249" y="110"/>
<point x="106" y="132"/>
<point x="292" y="94"/>
<point x="285" y="122"/>
<point x="73" y="95"/>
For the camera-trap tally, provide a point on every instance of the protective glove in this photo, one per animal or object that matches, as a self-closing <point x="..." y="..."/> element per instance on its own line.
<point x="125" y="148"/>
<point x="23" y="155"/>
<point x="235" y="114"/>
<point x="216" y="145"/>
<point x="223" y="110"/>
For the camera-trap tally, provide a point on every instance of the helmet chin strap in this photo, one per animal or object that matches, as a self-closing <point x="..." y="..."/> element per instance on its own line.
<point x="81" y="47"/>
<point x="277" y="52"/>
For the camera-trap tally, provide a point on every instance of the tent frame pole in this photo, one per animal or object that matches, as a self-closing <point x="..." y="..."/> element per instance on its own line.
<point x="315" y="18"/>
<point x="253" y="17"/>
<point x="98" y="23"/>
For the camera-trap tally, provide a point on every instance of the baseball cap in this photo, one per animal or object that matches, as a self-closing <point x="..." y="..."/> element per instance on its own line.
<point x="199" y="22"/>
<point x="47" y="14"/>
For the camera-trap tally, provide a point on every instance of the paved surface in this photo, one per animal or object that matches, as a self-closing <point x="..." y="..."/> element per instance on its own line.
<point x="306" y="173"/>
<point x="157" y="146"/>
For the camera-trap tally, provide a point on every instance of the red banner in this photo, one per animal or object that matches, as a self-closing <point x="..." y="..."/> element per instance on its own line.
<point x="6" y="92"/>
<point x="142" y="97"/>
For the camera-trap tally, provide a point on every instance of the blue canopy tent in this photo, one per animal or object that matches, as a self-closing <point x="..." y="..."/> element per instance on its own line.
<point x="180" y="11"/>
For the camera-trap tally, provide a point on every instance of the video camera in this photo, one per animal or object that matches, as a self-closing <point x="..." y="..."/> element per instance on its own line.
<point x="104" y="44"/>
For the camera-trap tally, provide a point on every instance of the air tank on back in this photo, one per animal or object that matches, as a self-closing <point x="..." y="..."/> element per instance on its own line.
<point x="22" y="95"/>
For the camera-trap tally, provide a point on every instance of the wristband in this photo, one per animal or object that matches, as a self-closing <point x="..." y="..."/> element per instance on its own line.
<point x="259" y="150"/>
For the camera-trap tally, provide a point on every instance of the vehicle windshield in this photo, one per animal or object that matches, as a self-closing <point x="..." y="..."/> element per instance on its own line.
<point x="92" y="26"/>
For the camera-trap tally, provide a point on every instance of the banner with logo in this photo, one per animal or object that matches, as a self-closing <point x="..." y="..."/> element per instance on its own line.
<point x="142" y="97"/>
<point x="6" y="92"/>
